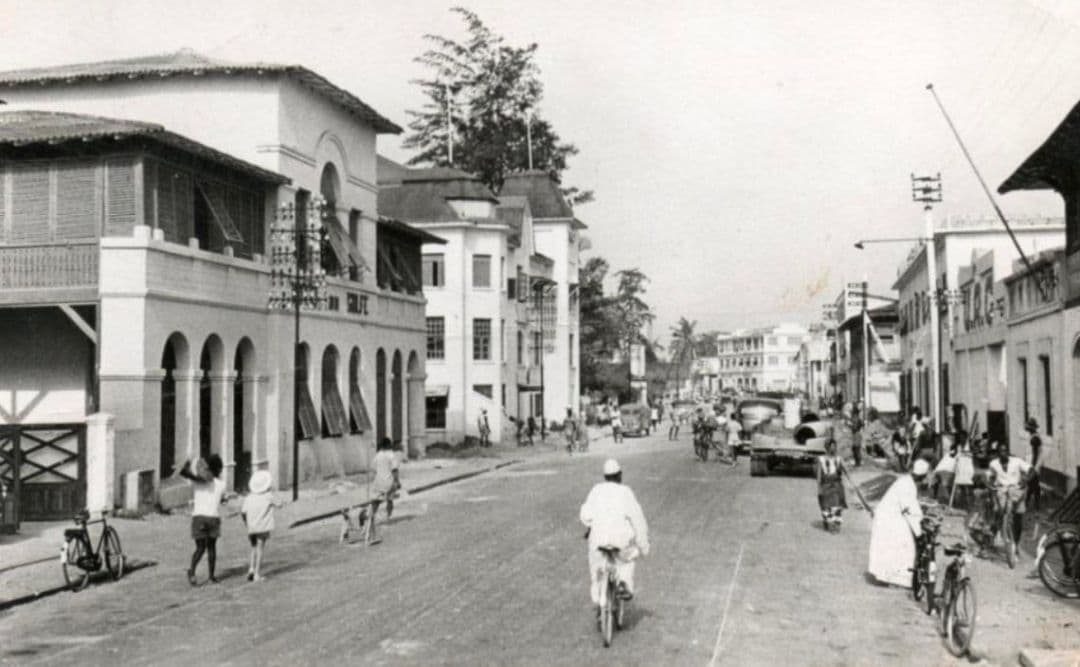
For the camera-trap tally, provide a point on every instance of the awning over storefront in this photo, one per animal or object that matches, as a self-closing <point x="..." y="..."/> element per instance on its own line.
<point x="344" y="249"/>
<point x="436" y="390"/>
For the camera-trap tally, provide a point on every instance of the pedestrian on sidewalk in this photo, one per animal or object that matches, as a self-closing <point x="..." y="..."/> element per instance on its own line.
<point x="616" y="426"/>
<point x="896" y="524"/>
<point x="387" y="482"/>
<point x="484" y="427"/>
<point x="856" y="426"/>
<point x="570" y="431"/>
<point x="654" y="416"/>
<point x="209" y="490"/>
<point x="532" y="428"/>
<point x="257" y="511"/>
<point x="673" y="430"/>
<point x="1033" y="495"/>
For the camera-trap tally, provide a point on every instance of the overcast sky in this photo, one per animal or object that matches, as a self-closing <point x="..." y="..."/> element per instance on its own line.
<point x="737" y="149"/>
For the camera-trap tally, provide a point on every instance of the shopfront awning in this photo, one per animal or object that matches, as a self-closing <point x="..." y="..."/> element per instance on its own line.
<point x="436" y="390"/>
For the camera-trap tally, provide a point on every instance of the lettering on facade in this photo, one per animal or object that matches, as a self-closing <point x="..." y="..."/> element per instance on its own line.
<point x="356" y="303"/>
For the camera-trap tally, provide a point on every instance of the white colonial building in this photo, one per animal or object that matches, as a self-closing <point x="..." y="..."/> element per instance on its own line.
<point x="170" y="296"/>
<point x="762" y="359"/>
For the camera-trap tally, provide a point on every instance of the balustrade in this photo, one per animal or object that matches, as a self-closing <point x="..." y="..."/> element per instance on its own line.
<point x="45" y="266"/>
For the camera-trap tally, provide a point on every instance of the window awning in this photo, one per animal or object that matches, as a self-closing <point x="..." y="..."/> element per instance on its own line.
<point x="436" y="390"/>
<point x="219" y="212"/>
<point x="358" y="411"/>
<point x="344" y="249"/>
<point x="306" y="416"/>
<point x="333" y="410"/>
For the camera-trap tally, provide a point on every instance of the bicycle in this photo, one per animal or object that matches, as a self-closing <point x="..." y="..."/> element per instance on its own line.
<point x="612" y="604"/>
<point x="1058" y="552"/>
<point x="956" y="601"/>
<point x="702" y="445"/>
<point x="78" y="557"/>
<point x="987" y="519"/>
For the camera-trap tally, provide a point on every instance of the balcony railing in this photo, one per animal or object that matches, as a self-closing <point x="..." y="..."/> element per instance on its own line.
<point x="49" y="266"/>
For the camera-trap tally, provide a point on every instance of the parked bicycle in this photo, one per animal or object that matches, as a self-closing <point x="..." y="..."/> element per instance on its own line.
<point x="79" y="558"/>
<point x="1058" y="552"/>
<point x="987" y="519"/>
<point x="955" y="603"/>
<point x="612" y="604"/>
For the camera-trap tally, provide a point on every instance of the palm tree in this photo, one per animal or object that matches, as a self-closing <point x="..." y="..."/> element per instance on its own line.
<point x="682" y="346"/>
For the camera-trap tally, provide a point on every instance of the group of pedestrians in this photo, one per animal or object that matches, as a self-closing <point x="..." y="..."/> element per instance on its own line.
<point x="258" y="506"/>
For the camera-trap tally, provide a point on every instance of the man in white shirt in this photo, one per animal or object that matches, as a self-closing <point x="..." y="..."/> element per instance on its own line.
<point x="614" y="519"/>
<point x="1009" y="474"/>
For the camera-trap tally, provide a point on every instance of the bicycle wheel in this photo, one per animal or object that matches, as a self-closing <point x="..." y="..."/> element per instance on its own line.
<point x="960" y="619"/>
<point x="75" y="551"/>
<point x="606" y="620"/>
<point x="916" y="583"/>
<point x="620" y="612"/>
<point x="1057" y="566"/>
<point x="114" y="555"/>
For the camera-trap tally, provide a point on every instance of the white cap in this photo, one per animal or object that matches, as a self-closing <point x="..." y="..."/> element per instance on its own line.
<point x="920" y="468"/>
<point x="611" y="467"/>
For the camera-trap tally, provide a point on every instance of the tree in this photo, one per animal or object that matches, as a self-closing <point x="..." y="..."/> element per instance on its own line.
<point x="598" y="336"/>
<point x="631" y="311"/>
<point x="493" y="91"/>
<point x="683" y="340"/>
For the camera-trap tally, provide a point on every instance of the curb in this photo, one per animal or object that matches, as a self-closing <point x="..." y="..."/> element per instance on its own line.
<point x="413" y="491"/>
<point x="134" y="566"/>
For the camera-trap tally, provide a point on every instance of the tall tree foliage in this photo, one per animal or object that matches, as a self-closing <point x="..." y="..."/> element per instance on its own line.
<point x="494" y="91"/>
<point x="610" y="322"/>
<point x="683" y="342"/>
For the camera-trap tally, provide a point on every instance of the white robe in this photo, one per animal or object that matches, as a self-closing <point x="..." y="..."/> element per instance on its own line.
<point x="892" y="543"/>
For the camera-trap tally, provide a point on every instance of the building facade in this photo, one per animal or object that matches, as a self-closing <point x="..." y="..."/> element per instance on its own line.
<point x="190" y="358"/>
<point x="762" y="359"/>
<point x="485" y="287"/>
<point x="954" y="242"/>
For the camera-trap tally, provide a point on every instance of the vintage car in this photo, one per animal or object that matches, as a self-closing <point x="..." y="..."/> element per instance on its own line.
<point x="753" y="412"/>
<point x="635" y="418"/>
<point x="781" y="449"/>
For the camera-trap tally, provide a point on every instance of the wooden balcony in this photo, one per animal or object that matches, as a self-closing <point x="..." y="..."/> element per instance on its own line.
<point x="48" y="273"/>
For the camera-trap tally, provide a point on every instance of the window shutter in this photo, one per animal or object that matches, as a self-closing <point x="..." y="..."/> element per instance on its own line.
<point x="306" y="415"/>
<point x="120" y="199"/>
<point x="76" y="202"/>
<point x="214" y="195"/>
<point x="358" y="410"/>
<point x="30" y="205"/>
<point x="334" y="410"/>
<point x="184" y="203"/>
<point x="166" y="214"/>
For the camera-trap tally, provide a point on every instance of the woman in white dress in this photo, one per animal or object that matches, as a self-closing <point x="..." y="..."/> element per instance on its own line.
<point x="896" y="524"/>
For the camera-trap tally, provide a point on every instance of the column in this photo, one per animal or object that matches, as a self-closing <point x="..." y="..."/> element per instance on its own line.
<point x="415" y="409"/>
<point x="221" y="421"/>
<point x="187" y="415"/>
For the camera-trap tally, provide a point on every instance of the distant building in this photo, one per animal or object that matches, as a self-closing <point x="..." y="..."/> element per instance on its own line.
<point x="812" y="377"/>
<point x="761" y="359"/>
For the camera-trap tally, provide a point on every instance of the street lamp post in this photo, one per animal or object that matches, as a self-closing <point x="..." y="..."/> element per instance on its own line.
<point x="297" y="279"/>
<point x="927" y="191"/>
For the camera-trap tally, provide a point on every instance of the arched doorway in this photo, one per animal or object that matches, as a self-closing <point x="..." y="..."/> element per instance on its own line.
<point x="173" y="358"/>
<point x="397" y="396"/>
<point x="243" y="412"/>
<point x="334" y="421"/>
<point x="380" y="395"/>
<point x="358" y="417"/>
<point x="211" y="364"/>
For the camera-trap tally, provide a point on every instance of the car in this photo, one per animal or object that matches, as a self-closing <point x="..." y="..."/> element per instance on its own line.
<point x="790" y="451"/>
<point x="635" y="418"/>
<point x="754" y="412"/>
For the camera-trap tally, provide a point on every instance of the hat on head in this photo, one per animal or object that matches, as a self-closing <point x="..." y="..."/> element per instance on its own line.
<point x="611" y="467"/>
<point x="260" y="481"/>
<point x="1031" y="424"/>
<point x="921" y="468"/>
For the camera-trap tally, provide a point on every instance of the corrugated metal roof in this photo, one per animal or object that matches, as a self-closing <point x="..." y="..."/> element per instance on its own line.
<point x="186" y="62"/>
<point x="409" y="230"/>
<point x="23" y="128"/>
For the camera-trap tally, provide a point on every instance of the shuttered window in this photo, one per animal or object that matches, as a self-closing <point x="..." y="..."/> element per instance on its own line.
<point x="214" y="196"/>
<point x="307" y="421"/>
<point x="119" y="198"/>
<point x="30" y="205"/>
<point x="361" y="420"/>
<point x="76" y="202"/>
<point x="335" y="422"/>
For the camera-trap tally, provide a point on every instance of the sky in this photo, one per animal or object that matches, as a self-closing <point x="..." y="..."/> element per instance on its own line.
<point x="737" y="149"/>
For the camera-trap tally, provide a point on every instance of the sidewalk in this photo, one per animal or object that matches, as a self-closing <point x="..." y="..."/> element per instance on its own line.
<point x="29" y="560"/>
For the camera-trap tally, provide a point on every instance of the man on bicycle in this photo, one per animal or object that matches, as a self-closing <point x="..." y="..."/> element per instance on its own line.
<point x="614" y="519"/>
<point x="1008" y="477"/>
<point x="704" y="426"/>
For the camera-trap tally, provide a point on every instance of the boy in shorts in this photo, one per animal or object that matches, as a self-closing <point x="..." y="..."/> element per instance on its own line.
<point x="386" y="484"/>
<point x="258" y="514"/>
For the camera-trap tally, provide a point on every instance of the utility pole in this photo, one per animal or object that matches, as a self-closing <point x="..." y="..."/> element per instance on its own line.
<point x="528" y="135"/>
<point x="927" y="191"/>
<point x="865" y="352"/>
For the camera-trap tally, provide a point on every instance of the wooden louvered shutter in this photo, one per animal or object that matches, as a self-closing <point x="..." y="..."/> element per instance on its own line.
<point x="166" y="204"/>
<point x="77" y="207"/>
<point x="120" y="198"/>
<point x="238" y="211"/>
<point x="258" y="224"/>
<point x="30" y="205"/>
<point x="184" y="201"/>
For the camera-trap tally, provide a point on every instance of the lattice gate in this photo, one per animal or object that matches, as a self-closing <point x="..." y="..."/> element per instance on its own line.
<point x="45" y="467"/>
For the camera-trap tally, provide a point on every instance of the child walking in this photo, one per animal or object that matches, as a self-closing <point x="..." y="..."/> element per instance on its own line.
<point x="258" y="514"/>
<point x="209" y="489"/>
<point x="386" y="483"/>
